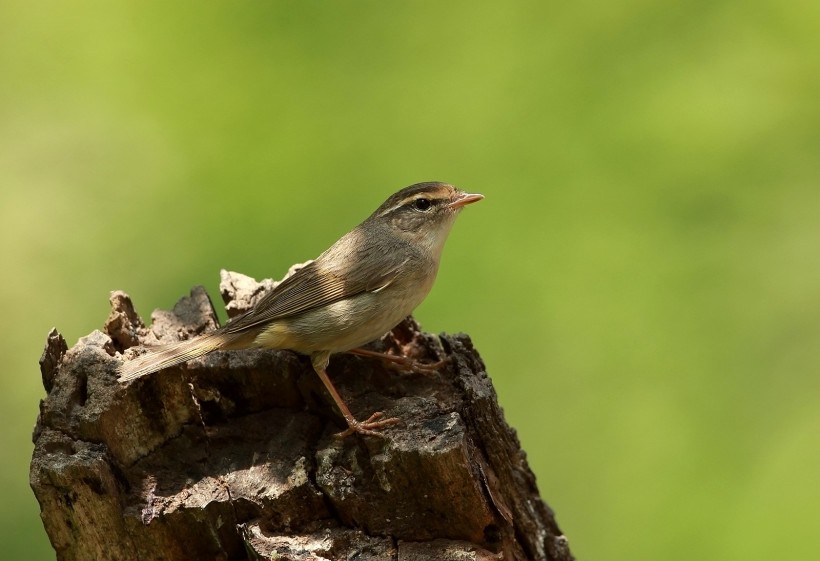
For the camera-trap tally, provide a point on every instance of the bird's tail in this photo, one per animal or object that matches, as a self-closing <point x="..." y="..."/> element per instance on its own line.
<point x="160" y="358"/>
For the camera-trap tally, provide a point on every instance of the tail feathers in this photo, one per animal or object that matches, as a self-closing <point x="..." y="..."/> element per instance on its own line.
<point x="171" y="355"/>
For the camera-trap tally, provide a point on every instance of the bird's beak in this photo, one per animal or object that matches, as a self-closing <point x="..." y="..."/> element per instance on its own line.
<point x="465" y="199"/>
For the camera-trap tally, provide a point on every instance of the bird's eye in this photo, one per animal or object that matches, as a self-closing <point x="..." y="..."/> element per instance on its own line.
<point x="422" y="204"/>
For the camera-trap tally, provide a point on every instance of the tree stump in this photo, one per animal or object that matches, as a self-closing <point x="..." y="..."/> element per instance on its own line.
<point x="233" y="456"/>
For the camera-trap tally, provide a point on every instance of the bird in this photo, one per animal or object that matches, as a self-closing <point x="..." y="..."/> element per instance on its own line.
<point x="360" y="288"/>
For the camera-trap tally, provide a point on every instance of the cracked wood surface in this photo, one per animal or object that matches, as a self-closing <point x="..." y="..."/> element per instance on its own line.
<point x="232" y="456"/>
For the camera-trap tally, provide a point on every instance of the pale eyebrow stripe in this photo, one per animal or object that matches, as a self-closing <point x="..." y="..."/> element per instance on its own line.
<point x="402" y="203"/>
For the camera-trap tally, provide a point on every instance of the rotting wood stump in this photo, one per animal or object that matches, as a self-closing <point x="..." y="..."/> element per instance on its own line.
<point x="232" y="456"/>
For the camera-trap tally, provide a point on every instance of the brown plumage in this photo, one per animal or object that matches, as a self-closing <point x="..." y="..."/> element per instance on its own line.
<point x="353" y="293"/>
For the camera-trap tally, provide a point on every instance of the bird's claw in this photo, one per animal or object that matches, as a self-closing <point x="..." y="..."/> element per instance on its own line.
<point x="369" y="426"/>
<point x="427" y="367"/>
<point x="403" y="363"/>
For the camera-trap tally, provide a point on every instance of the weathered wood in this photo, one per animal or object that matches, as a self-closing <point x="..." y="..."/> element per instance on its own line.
<point x="232" y="456"/>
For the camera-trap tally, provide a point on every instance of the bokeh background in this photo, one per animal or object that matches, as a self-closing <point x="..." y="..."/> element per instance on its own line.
<point x="643" y="278"/>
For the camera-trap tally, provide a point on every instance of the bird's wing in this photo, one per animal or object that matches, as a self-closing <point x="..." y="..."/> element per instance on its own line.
<point x="313" y="286"/>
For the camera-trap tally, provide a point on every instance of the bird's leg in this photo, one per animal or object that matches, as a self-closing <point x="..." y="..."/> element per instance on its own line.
<point x="403" y="361"/>
<point x="367" y="427"/>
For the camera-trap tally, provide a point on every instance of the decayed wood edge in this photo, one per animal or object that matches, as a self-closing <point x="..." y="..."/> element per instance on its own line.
<point x="233" y="456"/>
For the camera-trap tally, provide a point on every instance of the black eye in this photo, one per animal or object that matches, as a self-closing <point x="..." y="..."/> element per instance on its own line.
<point x="422" y="204"/>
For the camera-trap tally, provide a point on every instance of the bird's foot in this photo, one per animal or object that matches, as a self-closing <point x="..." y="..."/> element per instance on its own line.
<point x="368" y="427"/>
<point x="402" y="362"/>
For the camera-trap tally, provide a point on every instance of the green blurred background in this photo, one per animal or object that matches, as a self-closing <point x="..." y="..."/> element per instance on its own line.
<point x="643" y="278"/>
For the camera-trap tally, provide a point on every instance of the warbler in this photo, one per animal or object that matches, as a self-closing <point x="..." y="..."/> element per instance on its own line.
<point x="356" y="291"/>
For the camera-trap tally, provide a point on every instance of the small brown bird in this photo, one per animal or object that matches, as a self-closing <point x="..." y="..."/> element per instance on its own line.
<point x="353" y="293"/>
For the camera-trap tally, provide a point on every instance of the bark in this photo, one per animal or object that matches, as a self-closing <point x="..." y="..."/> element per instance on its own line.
<point x="233" y="455"/>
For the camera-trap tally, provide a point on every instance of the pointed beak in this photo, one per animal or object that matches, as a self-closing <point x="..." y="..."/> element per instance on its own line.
<point x="465" y="199"/>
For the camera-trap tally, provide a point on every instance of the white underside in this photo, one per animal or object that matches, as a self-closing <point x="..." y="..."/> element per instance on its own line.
<point x="343" y="325"/>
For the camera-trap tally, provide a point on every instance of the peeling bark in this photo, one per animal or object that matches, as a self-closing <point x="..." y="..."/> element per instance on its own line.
<point x="232" y="456"/>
